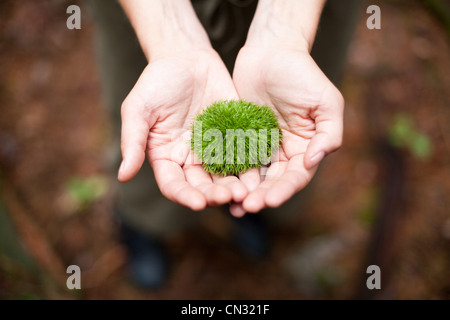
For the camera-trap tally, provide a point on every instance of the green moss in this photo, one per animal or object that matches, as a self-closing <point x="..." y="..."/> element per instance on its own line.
<point x="231" y="137"/>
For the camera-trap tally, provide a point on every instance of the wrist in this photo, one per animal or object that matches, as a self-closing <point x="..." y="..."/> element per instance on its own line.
<point x="290" y="24"/>
<point x="166" y="26"/>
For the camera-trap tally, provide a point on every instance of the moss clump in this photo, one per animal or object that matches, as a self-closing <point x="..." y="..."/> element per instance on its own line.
<point x="231" y="137"/>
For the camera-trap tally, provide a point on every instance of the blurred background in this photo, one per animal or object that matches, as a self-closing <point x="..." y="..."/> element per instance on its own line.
<point x="383" y="198"/>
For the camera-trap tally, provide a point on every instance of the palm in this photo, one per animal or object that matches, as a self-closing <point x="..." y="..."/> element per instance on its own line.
<point x="164" y="101"/>
<point x="308" y="107"/>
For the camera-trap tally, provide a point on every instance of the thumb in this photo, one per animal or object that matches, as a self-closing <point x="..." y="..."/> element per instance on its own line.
<point x="329" y="132"/>
<point x="135" y="130"/>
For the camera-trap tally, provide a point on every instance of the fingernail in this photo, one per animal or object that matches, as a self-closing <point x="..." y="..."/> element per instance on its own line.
<point x="316" y="159"/>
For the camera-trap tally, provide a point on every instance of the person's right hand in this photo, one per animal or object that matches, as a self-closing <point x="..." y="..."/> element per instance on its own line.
<point x="156" y="120"/>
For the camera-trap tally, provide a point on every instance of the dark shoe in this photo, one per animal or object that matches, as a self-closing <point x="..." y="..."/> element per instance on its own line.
<point x="147" y="260"/>
<point x="251" y="236"/>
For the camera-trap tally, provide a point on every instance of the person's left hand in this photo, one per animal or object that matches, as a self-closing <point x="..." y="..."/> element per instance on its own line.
<point x="310" y="112"/>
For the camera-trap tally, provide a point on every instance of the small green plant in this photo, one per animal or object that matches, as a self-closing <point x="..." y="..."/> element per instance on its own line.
<point x="84" y="191"/>
<point x="252" y="135"/>
<point x="403" y="133"/>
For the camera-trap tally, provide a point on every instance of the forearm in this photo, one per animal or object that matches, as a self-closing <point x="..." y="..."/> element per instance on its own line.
<point x="287" y="23"/>
<point x="165" y="26"/>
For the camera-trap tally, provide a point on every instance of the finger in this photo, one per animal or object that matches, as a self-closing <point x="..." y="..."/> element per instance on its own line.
<point x="255" y="201"/>
<point x="294" y="178"/>
<point x="135" y="130"/>
<point x="237" y="210"/>
<point x="215" y="194"/>
<point x="173" y="185"/>
<point x="329" y="130"/>
<point x="237" y="187"/>
<point x="251" y="179"/>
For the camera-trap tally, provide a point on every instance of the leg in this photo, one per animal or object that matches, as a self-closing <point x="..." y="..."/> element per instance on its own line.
<point x="333" y="38"/>
<point x="140" y="203"/>
<point x="144" y="215"/>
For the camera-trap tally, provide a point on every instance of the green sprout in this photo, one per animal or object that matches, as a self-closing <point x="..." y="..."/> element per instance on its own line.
<point x="230" y="137"/>
<point x="403" y="133"/>
<point x="84" y="191"/>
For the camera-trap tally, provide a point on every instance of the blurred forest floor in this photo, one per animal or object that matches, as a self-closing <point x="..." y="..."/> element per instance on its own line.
<point x="383" y="198"/>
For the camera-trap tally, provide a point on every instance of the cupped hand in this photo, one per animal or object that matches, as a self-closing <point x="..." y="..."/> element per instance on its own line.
<point x="156" y="120"/>
<point x="310" y="112"/>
